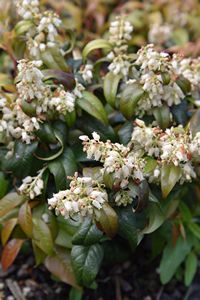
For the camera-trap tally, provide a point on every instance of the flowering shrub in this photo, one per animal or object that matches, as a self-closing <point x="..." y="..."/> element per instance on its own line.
<point x="100" y="146"/>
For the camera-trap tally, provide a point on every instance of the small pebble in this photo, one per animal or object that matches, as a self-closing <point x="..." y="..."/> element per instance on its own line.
<point x="10" y="298"/>
<point x="26" y="290"/>
<point x="1" y="285"/>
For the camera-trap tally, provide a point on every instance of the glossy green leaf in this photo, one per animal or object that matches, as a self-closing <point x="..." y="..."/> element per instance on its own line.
<point x="170" y="174"/>
<point x="172" y="257"/>
<point x="96" y="44"/>
<point x="110" y="86"/>
<point x="87" y="234"/>
<point x="195" y="229"/>
<point x="86" y="261"/>
<point x="125" y="133"/>
<point x="107" y="219"/>
<point x="155" y="217"/>
<point x="3" y="185"/>
<point x="195" y="123"/>
<point x="129" y="99"/>
<point x="93" y="106"/>
<point x="162" y="116"/>
<point x="62" y="167"/>
<point x="23" y="26"/>
<point x="191" y="265"/>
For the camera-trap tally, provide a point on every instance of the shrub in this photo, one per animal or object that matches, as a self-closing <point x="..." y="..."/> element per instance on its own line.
<point x="99" y="147"/>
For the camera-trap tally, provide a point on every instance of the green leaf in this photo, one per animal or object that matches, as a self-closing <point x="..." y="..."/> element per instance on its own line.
<point x="107" y="219"/>
<point x="62" y="167"/>
<point x="191" y="265"/>
<point x="162" y="116"/>
<point x="125" y="133"/>
<point x="86" y="262"/>
<point x="195" y="123"/>
<point x="42" y="236"/>
<point x="75" y="294"/>
<point x="170" y="174"/>
<point x="25" y="219"/>
<point x="195" y="229"/>
<point x="184" y="84"/>
<point x="87" y="234"/>
<point x="150" y="165"/>
<point x="23" y="161"/>
<point x="60" y="266"/>
<point x="128" y="226"/>
<point x="89" y="124"/>
<point x="39" y="254"/>
<point x="23" y="26"/>
<point x="172" y="257"/>
<point x="9" y="202"/>
<point x="96" y="44"/>
<point x="155" y="218"/>
<point x="180" y="36"/>
<point x="93" y="106"/>
<point x="110" y="86"/>
<point x="46" y="133"/>
<point x="129" y="99"/>
<point x="185" y="212"/>
<point x="3" y="185"/>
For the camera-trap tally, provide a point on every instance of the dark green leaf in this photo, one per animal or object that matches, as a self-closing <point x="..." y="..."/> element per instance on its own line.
<point x="86" y="262"/>
<point x="170" y="174"/>
<point x="162" y="116"/>
<point x="191" y="265"/>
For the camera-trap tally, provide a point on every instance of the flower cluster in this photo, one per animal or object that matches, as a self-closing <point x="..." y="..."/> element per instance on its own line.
<point x="160" y="34"/>
<point x="83" y="197"/>
<point x="86" y="73"/>
<point x="43" y="32"/>
<point x="120" y="32"/>
<point x="118" y="160"/>
<point x="174" y="146"/>
<point x="32" y="186"/>
<point x="190" y="68"/>
<point x="157" y="76"/>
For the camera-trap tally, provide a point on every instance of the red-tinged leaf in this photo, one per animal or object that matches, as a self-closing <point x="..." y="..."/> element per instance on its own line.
<point x="7" y="230"/>
<point x="9" y="202"/>
<point x="107" y="220"/>
<point x="25" y="219"/>
<point x="60" y="266"/>
<point x="10" y="252"/>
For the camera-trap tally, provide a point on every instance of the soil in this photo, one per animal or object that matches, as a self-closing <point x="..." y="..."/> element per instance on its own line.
<point x="128" y="281"/>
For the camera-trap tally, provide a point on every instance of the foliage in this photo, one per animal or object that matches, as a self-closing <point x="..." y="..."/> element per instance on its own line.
<point x="99" y="137"/>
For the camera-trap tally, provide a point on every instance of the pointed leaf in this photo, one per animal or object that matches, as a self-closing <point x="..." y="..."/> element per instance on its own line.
<point x="10" y="252"/>
<point x="42" y="236"/>
<point x="8" y="202"/>
<point x="107" y="219"/>
<point x="170" y="174"/>
<point x="110" y="86"/>
<point x="96" y="44"/>
<point x="93" y="106"/>
<point x="191" y="265"/>
<point x="86" y="262"/>
<point x="7" y="230"/>
<point x="25" y="219"/>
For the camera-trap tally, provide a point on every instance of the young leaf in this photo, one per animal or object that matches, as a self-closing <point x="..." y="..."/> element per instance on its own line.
<point x="86" y="262"/>
<point x="170" y="174"/>
<point x="107" y="219"/>
<point x="8" y="202"/>
<point x="93" y="106"/>
<point x="10" y="252"/>
<point x="7" y="229"/>
<point x="172" y="257"/>
<point x="110" y="86"/>
<point x="61" y="268"/>
<point x="42" y="236"/>
<point x="96" y="44"/>
<point x="25" y="219"/>
<point x="191" y="265"/>
<point x="87" y="234"/>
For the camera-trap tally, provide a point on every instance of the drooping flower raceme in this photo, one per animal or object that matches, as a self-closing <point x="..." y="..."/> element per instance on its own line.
<point x="82" y="198"/>
<point x="32" y="186"/>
